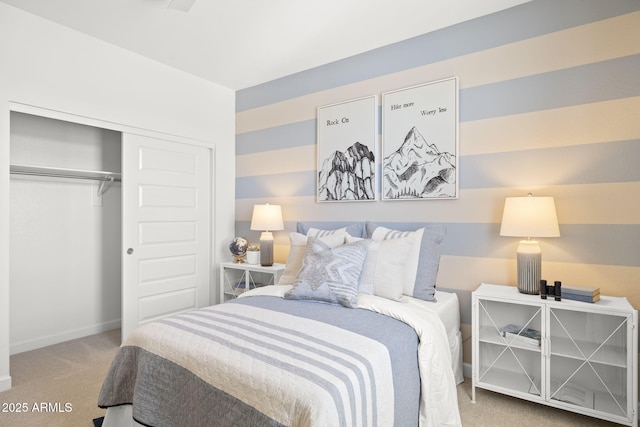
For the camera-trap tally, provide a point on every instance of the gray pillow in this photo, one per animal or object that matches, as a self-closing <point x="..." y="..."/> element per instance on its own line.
<point x="330" y="274"/>
<point x="428" y="263"/>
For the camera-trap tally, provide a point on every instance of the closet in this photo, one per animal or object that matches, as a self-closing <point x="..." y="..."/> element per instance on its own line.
<point x="65" y="238"/>
<point x="108" y="228"/>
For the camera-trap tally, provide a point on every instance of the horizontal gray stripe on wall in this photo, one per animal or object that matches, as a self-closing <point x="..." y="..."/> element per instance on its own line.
<point x="576" y="164"/>
<point x="276" y="185"/>
<point x="511" y="25"/>
<point x="609" y="244"/>
<point x="606" y="80"/>
<point x="277" y="138"/>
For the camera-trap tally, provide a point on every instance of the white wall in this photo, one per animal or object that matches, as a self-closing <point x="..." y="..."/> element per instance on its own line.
<point x="51" y="66"/>
<point x="65" y="259"/>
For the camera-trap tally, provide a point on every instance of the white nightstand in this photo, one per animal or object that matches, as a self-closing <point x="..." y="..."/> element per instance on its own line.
<point x="586" y="360"/>
<point x="236" y="278"/>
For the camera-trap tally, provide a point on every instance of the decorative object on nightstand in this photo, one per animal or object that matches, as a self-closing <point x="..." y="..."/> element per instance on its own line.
<point x="529" y="217"/>
<point x="238" y="248"/>
<point x="266" y="218"/>
<point x="253" y="254"/>
<point x="579" y="293"/>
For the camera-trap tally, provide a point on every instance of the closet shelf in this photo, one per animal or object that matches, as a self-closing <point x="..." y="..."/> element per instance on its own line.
<point x="106" y="178"/>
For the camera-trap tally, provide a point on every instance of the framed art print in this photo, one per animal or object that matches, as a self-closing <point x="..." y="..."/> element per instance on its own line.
<point x="347" y="141"/>
<point x="420" y="142"/>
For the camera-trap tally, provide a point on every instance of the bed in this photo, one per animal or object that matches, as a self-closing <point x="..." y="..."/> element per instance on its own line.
<point x="309" y="351"/>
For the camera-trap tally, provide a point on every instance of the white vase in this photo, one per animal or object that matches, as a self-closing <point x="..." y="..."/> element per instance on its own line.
<point x="253" y="257"/>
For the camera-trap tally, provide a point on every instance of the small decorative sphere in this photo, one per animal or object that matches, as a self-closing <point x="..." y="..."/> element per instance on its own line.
<point x="238" y="247"/>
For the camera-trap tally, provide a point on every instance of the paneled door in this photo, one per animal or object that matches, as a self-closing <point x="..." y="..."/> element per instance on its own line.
<point x="166" y="228"/>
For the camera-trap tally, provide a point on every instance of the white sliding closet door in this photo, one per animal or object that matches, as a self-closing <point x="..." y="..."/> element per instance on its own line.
<point x="166" y="228"/>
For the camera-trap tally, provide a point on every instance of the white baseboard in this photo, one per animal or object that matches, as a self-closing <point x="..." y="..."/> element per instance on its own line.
<point x="40" y="342"/>
<point x="5" y="383"/>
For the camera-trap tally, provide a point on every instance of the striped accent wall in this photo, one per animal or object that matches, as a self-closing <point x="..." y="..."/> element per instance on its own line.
<point x="549" y="103"/>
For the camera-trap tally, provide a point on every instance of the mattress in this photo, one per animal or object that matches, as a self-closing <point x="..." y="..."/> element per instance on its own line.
<point x="448" y="310"/>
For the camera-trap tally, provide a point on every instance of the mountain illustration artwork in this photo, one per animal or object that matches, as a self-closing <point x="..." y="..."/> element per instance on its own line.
<point x="418" y="170"/>
<point x="348" y="175"/>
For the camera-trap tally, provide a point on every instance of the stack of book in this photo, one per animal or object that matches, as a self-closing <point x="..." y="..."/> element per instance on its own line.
<point x="580" y="293"/>
<point x="518" y="334"/>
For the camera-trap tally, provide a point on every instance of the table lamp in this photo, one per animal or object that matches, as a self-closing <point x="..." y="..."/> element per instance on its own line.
<point x="529" y="217"/>
<point x="266" y="218"/>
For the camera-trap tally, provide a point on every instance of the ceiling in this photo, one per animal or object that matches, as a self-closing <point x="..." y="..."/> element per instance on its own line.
<point x="242" y="43"/>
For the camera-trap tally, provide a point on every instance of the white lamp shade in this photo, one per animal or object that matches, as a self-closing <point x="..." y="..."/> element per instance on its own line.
<point x="529" y="217"/>
<point x="267" y="218"/>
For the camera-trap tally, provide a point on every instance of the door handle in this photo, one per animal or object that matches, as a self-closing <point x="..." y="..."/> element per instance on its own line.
<point x="129" y="251"/>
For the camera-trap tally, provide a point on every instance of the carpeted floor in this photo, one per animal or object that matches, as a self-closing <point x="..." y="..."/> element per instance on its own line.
<point x="66" y="378"/>
<point x="59" y="384"/>
<point x="497" y="410"/>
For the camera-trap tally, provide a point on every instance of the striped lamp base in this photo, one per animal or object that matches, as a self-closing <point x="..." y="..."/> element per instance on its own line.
<point x="529" y="267"/>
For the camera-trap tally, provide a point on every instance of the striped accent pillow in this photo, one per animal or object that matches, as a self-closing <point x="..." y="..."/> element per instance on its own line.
<point x="316" y="232"/>
<point x="421" y="269"/>
<point x="353" y="228"/>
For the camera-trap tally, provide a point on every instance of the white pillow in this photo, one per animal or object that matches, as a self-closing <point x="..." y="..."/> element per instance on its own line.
<point x="383" y="270"/>
<point x="410" y="267"/>
<point x="297" y="251"/>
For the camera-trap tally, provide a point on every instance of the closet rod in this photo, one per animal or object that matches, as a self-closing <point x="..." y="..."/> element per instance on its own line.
<point x="64" y="173"/>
